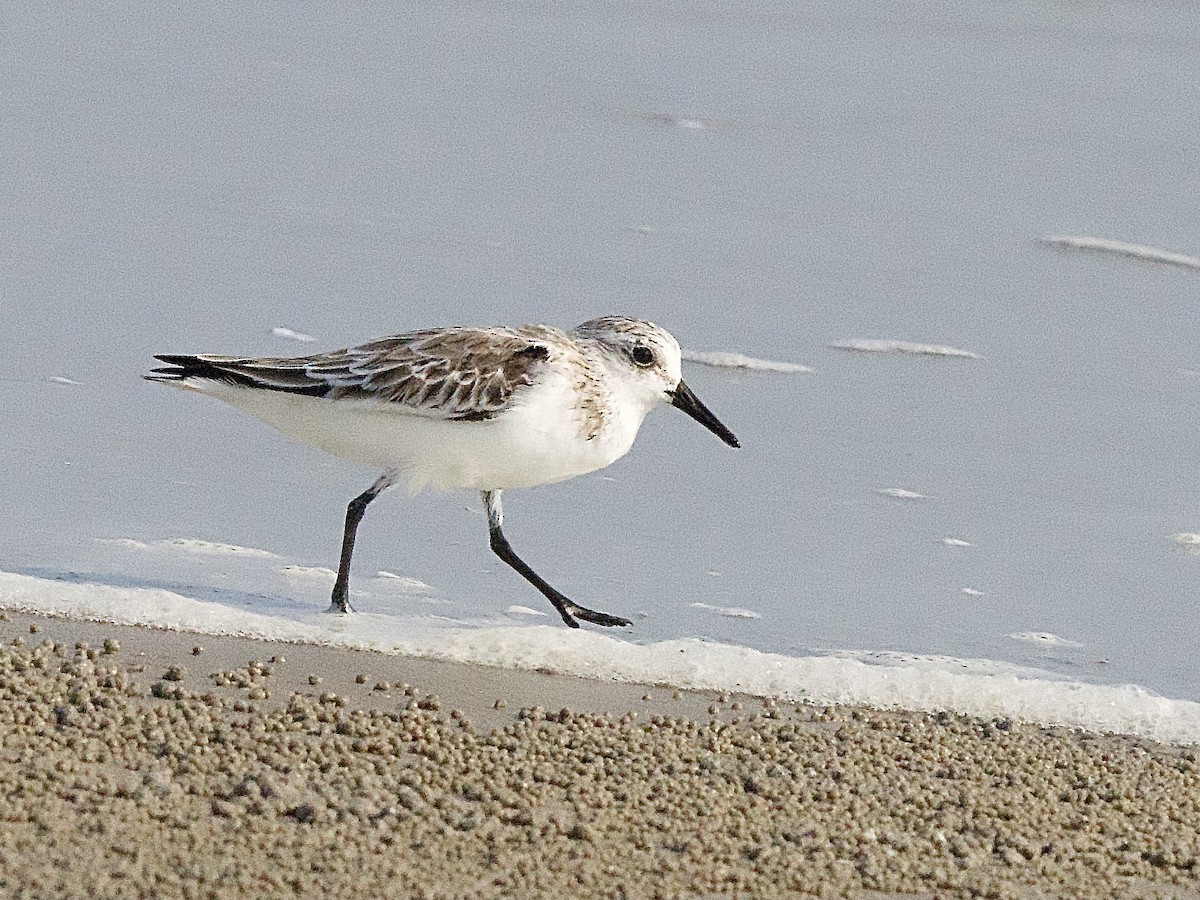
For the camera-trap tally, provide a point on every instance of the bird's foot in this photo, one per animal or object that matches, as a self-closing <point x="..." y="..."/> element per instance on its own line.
<point x="572" y="610"/>
<point x="340" y="606"/>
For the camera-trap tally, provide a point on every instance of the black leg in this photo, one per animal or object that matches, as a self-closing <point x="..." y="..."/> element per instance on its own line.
<point x="500" y="546"/>
<point x="354" y="513"/>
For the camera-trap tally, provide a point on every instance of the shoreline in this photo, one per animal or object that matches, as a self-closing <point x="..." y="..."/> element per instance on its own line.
<point x="974" y="687"/>
<point x="263" y="769"/>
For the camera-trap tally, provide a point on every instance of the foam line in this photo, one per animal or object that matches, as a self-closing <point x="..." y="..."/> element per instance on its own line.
<point x="725" y="360"/>
<point x="874" y="345"/>
<point x="976" y="687"/>
<point x="1137" y="251"/>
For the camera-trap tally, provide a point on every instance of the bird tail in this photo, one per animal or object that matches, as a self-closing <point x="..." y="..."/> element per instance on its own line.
<point x="189" y="371"/>
<point x="183" y="370"/>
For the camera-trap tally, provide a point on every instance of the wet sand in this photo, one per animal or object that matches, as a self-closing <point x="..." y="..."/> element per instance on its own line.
<point x="146" y="763"/>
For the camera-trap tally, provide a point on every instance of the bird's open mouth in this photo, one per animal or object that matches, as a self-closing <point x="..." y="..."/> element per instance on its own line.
<point x="683" y="398"/>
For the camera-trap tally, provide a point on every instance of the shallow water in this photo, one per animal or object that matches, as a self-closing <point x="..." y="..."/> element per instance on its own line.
<point x="761" y="179"/>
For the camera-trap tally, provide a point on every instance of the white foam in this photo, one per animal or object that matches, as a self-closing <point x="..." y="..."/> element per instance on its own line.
<point x="190" y="545"/>
<point x="1137" y="251"/>
<point x="973" y="690"/>
<point x="518" y="610"/>
<point x="145" y="606"/>
<point x="933" y="662"/>
<point x="870" y="345"/>
<point x="293" y="335"/>
<point x="731" y="612"/>
<point x="955" y="542"/>
<point x="972" y="592"/>
<point x="195" y="545"/>
<point x="690" y="122"/>
<point x="1188" y="541"/>
<point x="308" y="573"/>
<point x="59" y="379"/>
<point x="402" y="581"/>
<point x="975" y="687"/>
<point x="725" y="360"/>
<point x="902" y="494"/>
<point x="129" y="543"/>
<point x="1045" y="638"/>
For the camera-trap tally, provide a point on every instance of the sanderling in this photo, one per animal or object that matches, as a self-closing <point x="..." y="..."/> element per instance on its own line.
<point x="481" y="408"/>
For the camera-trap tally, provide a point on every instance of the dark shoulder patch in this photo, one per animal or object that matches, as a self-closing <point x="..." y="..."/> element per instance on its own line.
<point x="534" y="351"/>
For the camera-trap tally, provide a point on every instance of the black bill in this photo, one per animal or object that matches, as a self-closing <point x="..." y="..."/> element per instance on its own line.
<point x="683" y="398"/>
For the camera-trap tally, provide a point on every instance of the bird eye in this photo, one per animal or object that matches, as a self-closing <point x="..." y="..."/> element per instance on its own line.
<point x="643" y="356"/>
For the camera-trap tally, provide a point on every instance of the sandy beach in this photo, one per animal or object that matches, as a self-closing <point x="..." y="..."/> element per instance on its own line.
<point x="143" y="763"/>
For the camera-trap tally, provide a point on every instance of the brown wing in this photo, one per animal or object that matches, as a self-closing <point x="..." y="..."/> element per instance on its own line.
<point x="451" y="373"/>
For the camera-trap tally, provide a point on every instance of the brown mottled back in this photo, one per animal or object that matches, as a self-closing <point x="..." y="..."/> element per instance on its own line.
<point x="454" y="373"/>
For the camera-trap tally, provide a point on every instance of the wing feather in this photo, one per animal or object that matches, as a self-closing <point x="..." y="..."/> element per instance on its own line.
<point x="452" y="373"/>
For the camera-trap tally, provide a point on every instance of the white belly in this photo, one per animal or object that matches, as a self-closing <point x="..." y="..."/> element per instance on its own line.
<point x="537" y="442"/>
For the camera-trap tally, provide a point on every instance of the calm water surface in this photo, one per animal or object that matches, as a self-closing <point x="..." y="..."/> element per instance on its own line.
<point x="763" y="178"/>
